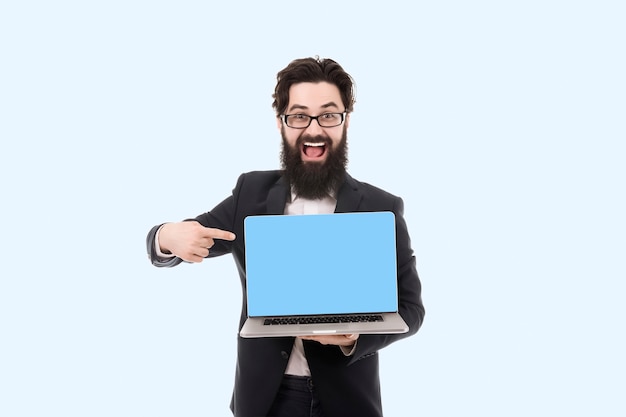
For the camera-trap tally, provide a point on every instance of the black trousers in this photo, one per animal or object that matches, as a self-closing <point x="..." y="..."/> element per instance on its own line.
<point x="297" y="397"/>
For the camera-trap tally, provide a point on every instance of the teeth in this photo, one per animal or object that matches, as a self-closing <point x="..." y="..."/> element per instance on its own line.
<point x="313" y="144"/>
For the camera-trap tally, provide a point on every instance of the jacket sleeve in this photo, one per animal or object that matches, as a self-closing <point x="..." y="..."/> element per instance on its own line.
<point x="151" y="249"/>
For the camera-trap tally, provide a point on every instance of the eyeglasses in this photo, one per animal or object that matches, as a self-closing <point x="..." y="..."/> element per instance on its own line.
<point x="302" y="121"/>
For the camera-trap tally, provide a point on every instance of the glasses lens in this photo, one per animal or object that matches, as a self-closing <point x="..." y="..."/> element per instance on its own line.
<point x="297" y="120"/>
<point x="330" y="119"/>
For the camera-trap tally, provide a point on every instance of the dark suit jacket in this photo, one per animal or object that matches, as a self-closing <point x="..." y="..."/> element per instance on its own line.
<point x="347" y="386"/>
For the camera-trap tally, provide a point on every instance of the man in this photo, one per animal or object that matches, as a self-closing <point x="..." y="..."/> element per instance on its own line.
<point x="334" y="375"/>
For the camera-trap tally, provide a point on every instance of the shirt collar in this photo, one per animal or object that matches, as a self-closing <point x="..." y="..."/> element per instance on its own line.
<point x="295" y="196"/>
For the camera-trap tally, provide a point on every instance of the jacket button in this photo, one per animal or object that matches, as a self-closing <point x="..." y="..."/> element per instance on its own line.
<point x="284" y="354"/>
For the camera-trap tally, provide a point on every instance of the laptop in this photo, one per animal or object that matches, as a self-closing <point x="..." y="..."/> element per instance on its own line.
<point x="321" y="274"/>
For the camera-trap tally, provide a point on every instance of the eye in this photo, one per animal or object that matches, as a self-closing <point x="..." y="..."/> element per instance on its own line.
<point x="329" y="116"/>
<point x="300" y="116"/>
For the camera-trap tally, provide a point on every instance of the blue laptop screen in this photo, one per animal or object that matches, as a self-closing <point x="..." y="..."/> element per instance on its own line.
<point x="321" y="264"/>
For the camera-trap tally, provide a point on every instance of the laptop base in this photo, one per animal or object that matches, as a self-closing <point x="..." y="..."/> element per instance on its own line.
<point x="255" y="327"/>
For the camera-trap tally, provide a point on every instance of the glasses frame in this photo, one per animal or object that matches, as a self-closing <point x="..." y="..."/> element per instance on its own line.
<point x="311" y="118"/>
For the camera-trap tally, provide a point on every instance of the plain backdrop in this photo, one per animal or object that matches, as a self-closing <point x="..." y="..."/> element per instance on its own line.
<point x="501" y="124"/>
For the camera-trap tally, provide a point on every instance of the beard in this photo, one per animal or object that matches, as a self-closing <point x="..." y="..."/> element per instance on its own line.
<point x="314" y="180"/>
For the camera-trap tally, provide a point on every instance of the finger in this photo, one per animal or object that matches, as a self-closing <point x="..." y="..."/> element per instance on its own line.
<point x="315" y="338"/>
<point x="324" y="340"/>
<point x="194" y="255"/>
<point x="192" y="258"/>
<point x="338" y="340"/>
<point x="206" y="242"/>
<point x="201" y="252"/>
<point x="353" y="336"/>
<point x="219" y="234"/>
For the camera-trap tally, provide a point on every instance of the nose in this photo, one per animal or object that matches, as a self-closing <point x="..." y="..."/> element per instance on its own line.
<point x="314" y="128"/>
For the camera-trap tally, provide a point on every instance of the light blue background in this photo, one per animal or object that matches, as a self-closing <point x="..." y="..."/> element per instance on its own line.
<point x="500" y="123"/>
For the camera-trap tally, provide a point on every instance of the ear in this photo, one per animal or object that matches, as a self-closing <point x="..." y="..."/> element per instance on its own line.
<point x="279" y="122"/>
<point x="347" y="121"/>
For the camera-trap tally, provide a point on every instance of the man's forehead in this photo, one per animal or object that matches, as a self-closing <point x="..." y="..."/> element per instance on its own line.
<point x="314" y="95"/>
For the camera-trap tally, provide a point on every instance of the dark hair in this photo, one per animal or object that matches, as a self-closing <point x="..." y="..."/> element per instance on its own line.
<point x="312" y="70"/>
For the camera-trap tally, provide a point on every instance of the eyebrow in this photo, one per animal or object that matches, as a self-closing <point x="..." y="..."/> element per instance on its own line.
<point x="303" y="107"/>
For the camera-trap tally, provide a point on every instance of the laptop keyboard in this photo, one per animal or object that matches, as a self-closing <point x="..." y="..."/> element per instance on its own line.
<point x="323" y="319"/>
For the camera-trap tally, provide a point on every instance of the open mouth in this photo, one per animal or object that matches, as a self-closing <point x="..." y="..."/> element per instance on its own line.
<point x="313" y="150"/>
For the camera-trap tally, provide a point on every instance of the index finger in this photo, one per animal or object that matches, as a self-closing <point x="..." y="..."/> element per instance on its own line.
<point x="219" y="234"/>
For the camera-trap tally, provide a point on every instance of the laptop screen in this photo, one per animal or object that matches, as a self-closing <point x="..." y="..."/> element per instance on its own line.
<point x="341" y="263"/>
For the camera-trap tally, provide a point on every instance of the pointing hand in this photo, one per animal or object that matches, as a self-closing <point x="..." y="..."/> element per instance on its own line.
<point x="190" y="241"/>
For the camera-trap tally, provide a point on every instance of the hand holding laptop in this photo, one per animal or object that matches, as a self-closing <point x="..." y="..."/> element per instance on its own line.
<point x="345" y="340"/>
<point x="190" y="241"/>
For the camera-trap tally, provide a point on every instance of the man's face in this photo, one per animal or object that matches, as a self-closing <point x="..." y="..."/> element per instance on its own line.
<point x="314" y="99"/>
<point x="314" y="158"/>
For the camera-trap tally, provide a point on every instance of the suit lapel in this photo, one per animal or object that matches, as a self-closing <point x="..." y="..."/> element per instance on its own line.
<point x="348" y="196"/>
<point x="277" y="197"/>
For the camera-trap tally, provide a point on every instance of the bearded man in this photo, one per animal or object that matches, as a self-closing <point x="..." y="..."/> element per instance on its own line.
<point x="330" y="375"/>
